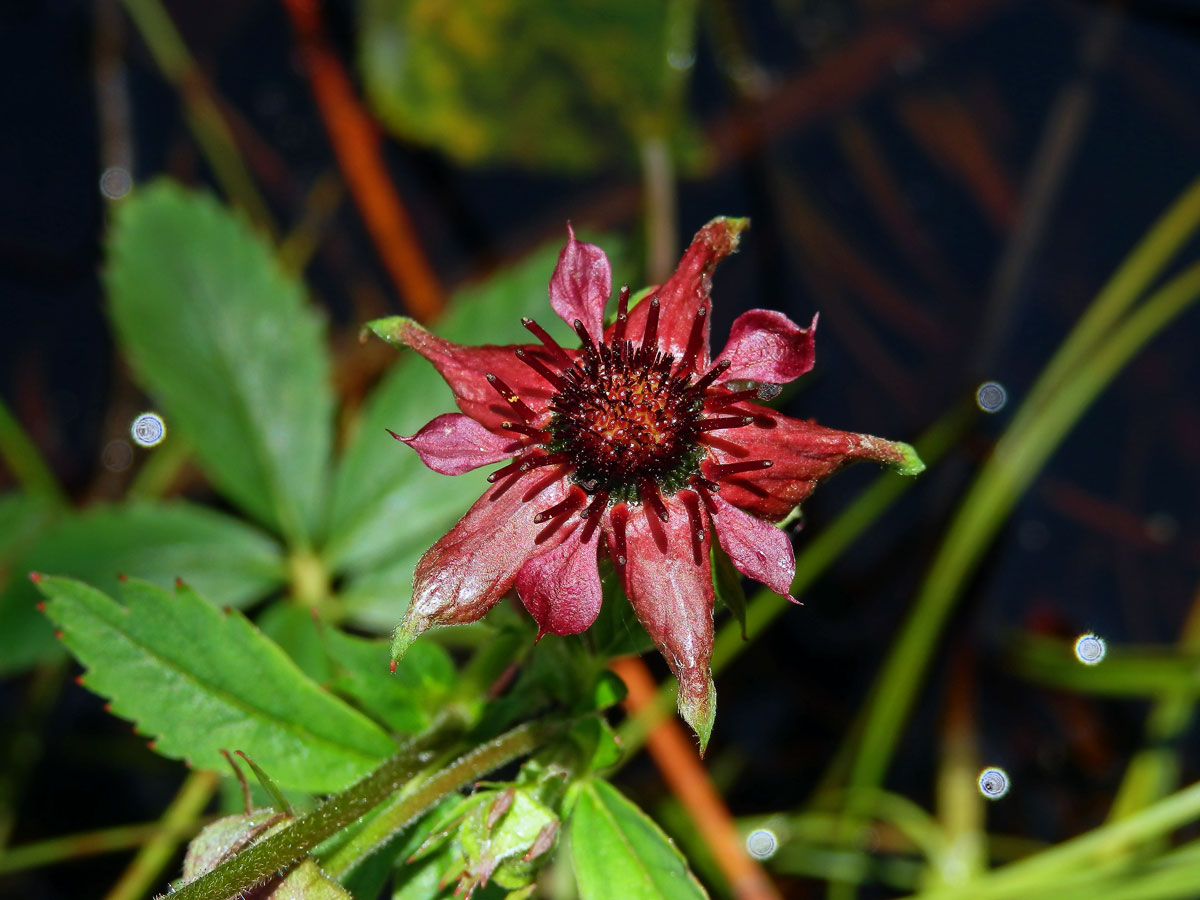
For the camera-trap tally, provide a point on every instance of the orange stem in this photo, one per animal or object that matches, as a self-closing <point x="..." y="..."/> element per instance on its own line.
<point x="356" y="144"/>
<point x="674" y="753"/>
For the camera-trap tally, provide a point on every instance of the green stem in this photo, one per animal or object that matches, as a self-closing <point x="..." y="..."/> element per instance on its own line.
<point x="21" y="456"/>
<point x="1080" y="853"/>
<point x="404" y="808"/>
<point x="1018" y="457"/>
<point x="1143" y="264"/>
<point x="177" y="823"/>
<point x="204" y="116"/>
<point x="87" y="843"/>
<point x="289" y="845"/>
<point x="1154" y="770"/>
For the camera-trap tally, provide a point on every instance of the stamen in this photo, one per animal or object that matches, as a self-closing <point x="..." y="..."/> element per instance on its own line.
<point x="650" y="335"/>
<point x="710" y="376"/>
<point x="693" y="345"/>
<point x="730" y="399"/>
<point x="706" y="489"/>
<point x="620" y="517"/>
<point x="692" y="504"/>
<point x="593" y="513"/>
<point x="511" y="468"/>
<point x="648" y="491"/>
<point x="540" y="367"/>
<point x="545" y="459"/>
<point x="519" y="428"/>
<point x="723" y="469"/>
<point x="550" y="343"/>
<point x="618" y="337"/>
<point x="589" y="346"/>
<point x="511" y="397"/>
<point x="724" y="422"/>
<point x="575" y="498"/>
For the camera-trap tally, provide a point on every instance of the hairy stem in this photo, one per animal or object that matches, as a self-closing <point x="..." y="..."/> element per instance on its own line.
<point x="289" y="845"/>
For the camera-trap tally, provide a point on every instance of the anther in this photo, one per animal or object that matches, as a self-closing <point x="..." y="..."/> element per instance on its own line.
<point x="723" y="469"/>
<point x="620" y="517"/>
<point x="710" y="376"/>
<point x="550" y="343"/>
<point x="546" y="459"/>
<point x="575" y="498"/>
<point x="693" y="345"/>
<point x="521" y="428"/>
<point x="648" y="491"/>
<point x="730" y="399"/>
<point x="540" y="367"/>
<point x="510" y="397"/>
<point x="724" y="422"/>
<point x="622" y="316"/>
<point x="589" y="346"/>
<point x="511" y="468"/>
<point x="650" y="335"/>
<point x="592" y="514"/>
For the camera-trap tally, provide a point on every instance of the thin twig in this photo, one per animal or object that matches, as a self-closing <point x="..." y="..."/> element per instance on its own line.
<point x="356" y="144"/>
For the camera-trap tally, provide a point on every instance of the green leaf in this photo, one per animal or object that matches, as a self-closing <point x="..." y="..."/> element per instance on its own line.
<point x="563" y="86"/>
<point x="223" y="337"/>
<point x="727" y="582"/>
<point x="616" y="631"/>
<point x="387" y="508"/>
<point x="199" y="679"/>
<point x="229" y="562"/>
<point x="618" y="853"/>
<point x="356" y="668"/>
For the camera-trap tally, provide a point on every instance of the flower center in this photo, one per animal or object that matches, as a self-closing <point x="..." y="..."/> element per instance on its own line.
<point x="626" y="424"/>
<point x="625" y="421"/>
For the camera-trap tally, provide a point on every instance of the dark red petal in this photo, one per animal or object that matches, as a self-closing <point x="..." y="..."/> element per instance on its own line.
<point x="465" y="573"/>
<point x="453" y="444"/>
<point x="561" y="587"/>
<point x="802" y="454"/>
<point x="581" y="283"/>
<point x="672" y="595"/>
<point x="767" y="346"/>
<point x="466" y="368"/>
<point x="757" y="548"/>
<point x="687" y="289"/>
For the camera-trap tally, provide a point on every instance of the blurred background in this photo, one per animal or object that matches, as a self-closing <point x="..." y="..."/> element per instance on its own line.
<point x="948" y="182"/>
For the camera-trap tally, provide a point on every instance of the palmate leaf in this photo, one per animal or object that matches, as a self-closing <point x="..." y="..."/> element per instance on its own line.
<point x="618" y="853"/>
<point x="198" y="679"/>
<point x="224" y="339"/>
<point x="229" y="562"/>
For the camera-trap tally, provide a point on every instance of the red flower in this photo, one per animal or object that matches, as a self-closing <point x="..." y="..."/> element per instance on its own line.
<point x="635" y="444"/>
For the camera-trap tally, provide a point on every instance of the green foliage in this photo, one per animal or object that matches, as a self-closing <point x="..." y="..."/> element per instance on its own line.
<point x="230" y="562"/>
<point x="356" y="668"/>
<point x="198" y="679"/>
<point x="727" y="584"/>
<point x="618" y="853"/>
<point x="225" y="340"/>
<point x="481" y="80"/>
